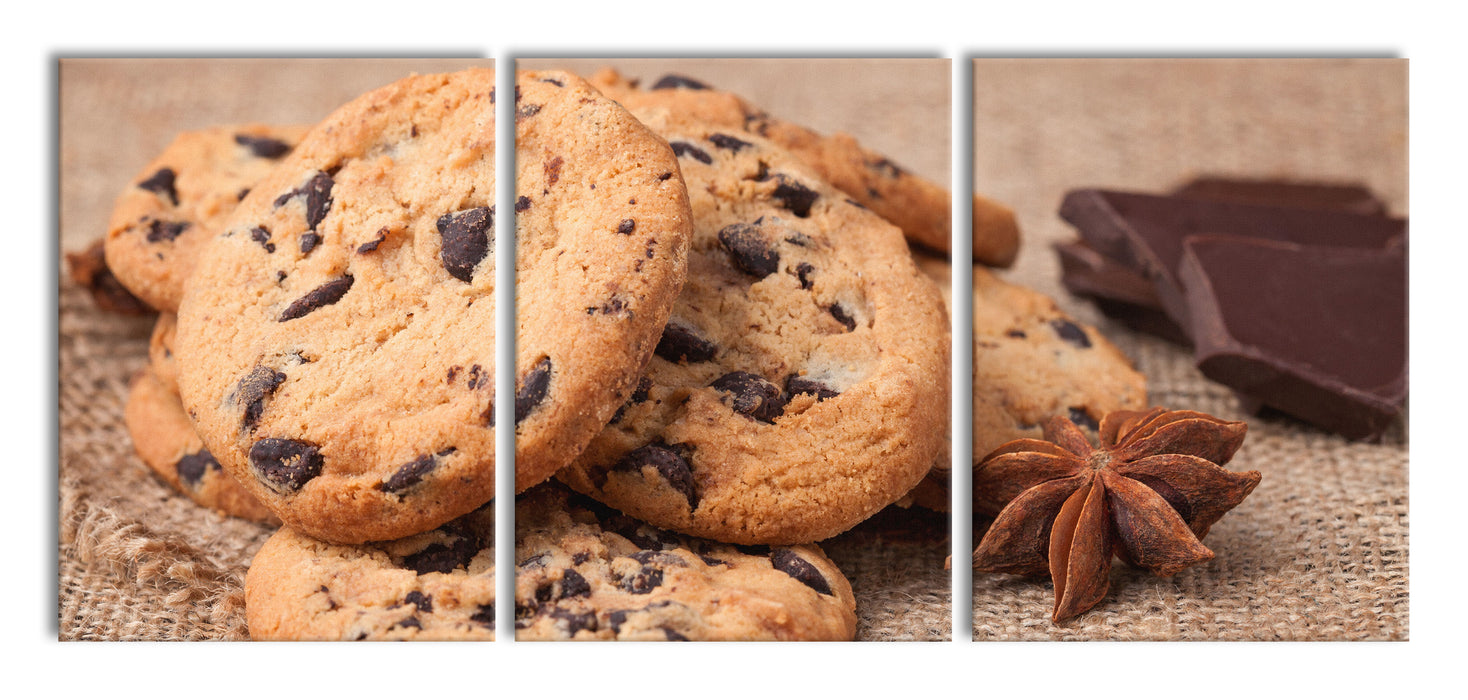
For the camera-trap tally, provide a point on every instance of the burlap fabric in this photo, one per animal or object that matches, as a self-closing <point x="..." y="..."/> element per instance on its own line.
<point x="1319" y="550"/>
<point x="138" y="561"/>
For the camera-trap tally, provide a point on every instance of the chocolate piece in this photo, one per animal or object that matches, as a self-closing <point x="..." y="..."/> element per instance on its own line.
<point x="1318" y="332"/>
<point x="1286" y="193"/>
<point x="1146" y="232"/>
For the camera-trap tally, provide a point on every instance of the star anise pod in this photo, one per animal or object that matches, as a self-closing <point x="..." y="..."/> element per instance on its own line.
<point x="1149" y="493"/>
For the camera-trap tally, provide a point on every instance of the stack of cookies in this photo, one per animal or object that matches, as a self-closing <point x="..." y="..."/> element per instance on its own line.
<point x="725" y="352"/>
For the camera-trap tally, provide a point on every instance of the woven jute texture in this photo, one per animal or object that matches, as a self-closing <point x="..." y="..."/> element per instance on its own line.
<point x="140" y="562"/>
<point x="1319" y="550"/>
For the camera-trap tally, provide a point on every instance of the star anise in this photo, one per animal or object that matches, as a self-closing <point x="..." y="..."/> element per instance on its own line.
<point x="1149" y="493"/>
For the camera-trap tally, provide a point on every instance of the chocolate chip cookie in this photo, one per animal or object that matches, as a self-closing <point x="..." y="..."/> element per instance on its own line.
<point x="918" y="206"/>
<point x="801" y="383"/>
<point x="177" y="203"/>
<point x="165" y="441"/>
<point x="584" y="572"/>
<point x="336" y="343"/>
<point x="602" y="226"/>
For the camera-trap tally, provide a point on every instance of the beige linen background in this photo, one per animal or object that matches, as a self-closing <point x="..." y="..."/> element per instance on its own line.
<point x="139" y="562"/>
<point x="1319" y="550"/>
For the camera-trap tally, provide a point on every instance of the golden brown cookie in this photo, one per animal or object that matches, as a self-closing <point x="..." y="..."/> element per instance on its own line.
<point x="801" y="384"/>
<point x="336" y="344"/>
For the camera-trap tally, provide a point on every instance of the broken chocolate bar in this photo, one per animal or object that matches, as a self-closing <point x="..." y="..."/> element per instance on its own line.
<point x="1356" y="199"/>
<point x="1318" y="332"/>
<point x="1145" y="233"/>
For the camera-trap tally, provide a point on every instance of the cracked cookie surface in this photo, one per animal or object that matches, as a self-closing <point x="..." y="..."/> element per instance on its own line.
<point x="336" y="346"/>
<point x="801" y="383"/>
<point x="176" y="204"/>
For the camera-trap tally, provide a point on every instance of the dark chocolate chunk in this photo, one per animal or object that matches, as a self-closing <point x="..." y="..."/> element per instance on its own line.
<point x="1289" y="193"/>
<point x="161" y="183"/>
<point x="673" y="635"/>
<point x="638" y="396"/>
<point x="262" y="236"/>
<point x="410" y="621"/>
<point x="1071" y="333"/>
<point x="263" y="146"/>
<point x="803" y="272"/>
<point x="794" y="196"/>
<point x="423" y="602"/>
<point x="191" y="467"/>
<point x="309" y="241"/>
<point x="672" y="80"/>
<point x="443" y="558"/>
<point x="485" y="615"/>
<point x="467" y="236"/>
<point x="626" y="227"/>
<point x="749" y="249"/>
<point x="752" y="395"/>
<point x="285" y="464"/>
<point x="683" y="148"/>
<point x="1318" y="332"/>
<point x="253" y="389"/>
<point x="1146" y="232"/>
<point x="644" y="581"/>
<point x="318" y="198"/>
<point x="526" y="112"/>
<point x="533" y="388"/>
<point x="159" y="231"/>
<point x="574" y="621"/>
<point x="841" y="316"/>
<point x="325" y="295"/>
<point x="648" y="557"/>
<point x="409" y="474"/>
<point x="680" y="343"/>
<point x="728" y="142"/>
<point x="573" y="585"/>
<point x="796" y="384"/>
<point x="522" y="203"/>
<point x="788" y="561"/>
<point x="669" y="464"/>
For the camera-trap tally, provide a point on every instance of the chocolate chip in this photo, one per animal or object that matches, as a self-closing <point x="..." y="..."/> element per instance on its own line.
<point x="580" y="557"/>
<point x="671" y="80"/>
<point x="752" y="395"/>
<point x="466" y="240"/>
<point x="840" y="315"/>
<point x="165" y="230"/>
<point x="161" y="184"/>
<point x="263" y="147"/>
<point x="1016" y="333"/>
<point x="526" y="112"/>
<point x="626" y="227"/>
<point x="485" y="615"/>
<point x="803" y="272"/>
<point x="638" y="396"/>
<point x="410" y="621"/>
<point x="409" y="474"/>
<point x="535" y="562"/>
<point x="1083" y="419"/>
<point x="788" y="561"/>
<point x="668" y="463"/>
<point x="478" y="377"/>
<point x="371" y="245"/>
<point x="749" y="250"/>
<point x="648" y="557"/>
<point x="443" y="558"/>
<point x="553" y="81"/>
<point x="522" y="204"/>
<point x="673" y="635"/>
<point x="573" y="585"/>
<point x="285" y="464"/>
<point x="794" y="196"/>
<point x="309" y="241"/>
<point x="574" y="621"/>
<point x="680" y="344"/>
<point x="533" y="388"/>
<point x="424" y="603"/>
<point x="886" y="167"/>
<point x="325" y="295"/>
<point x="683" y="148"/>
<point x="318" y="198"/>
<point x="1071" y="333"/>
<point x="252" y="391"/>
<point x="616" y="306"/>
<point x="796" y="384"/>
<point x="552" y="170"/>
<point x="644" y="581"/>
<point x="262" y="236"/>
<point x="728" y="142"/>
<point x="191" y="467"/>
